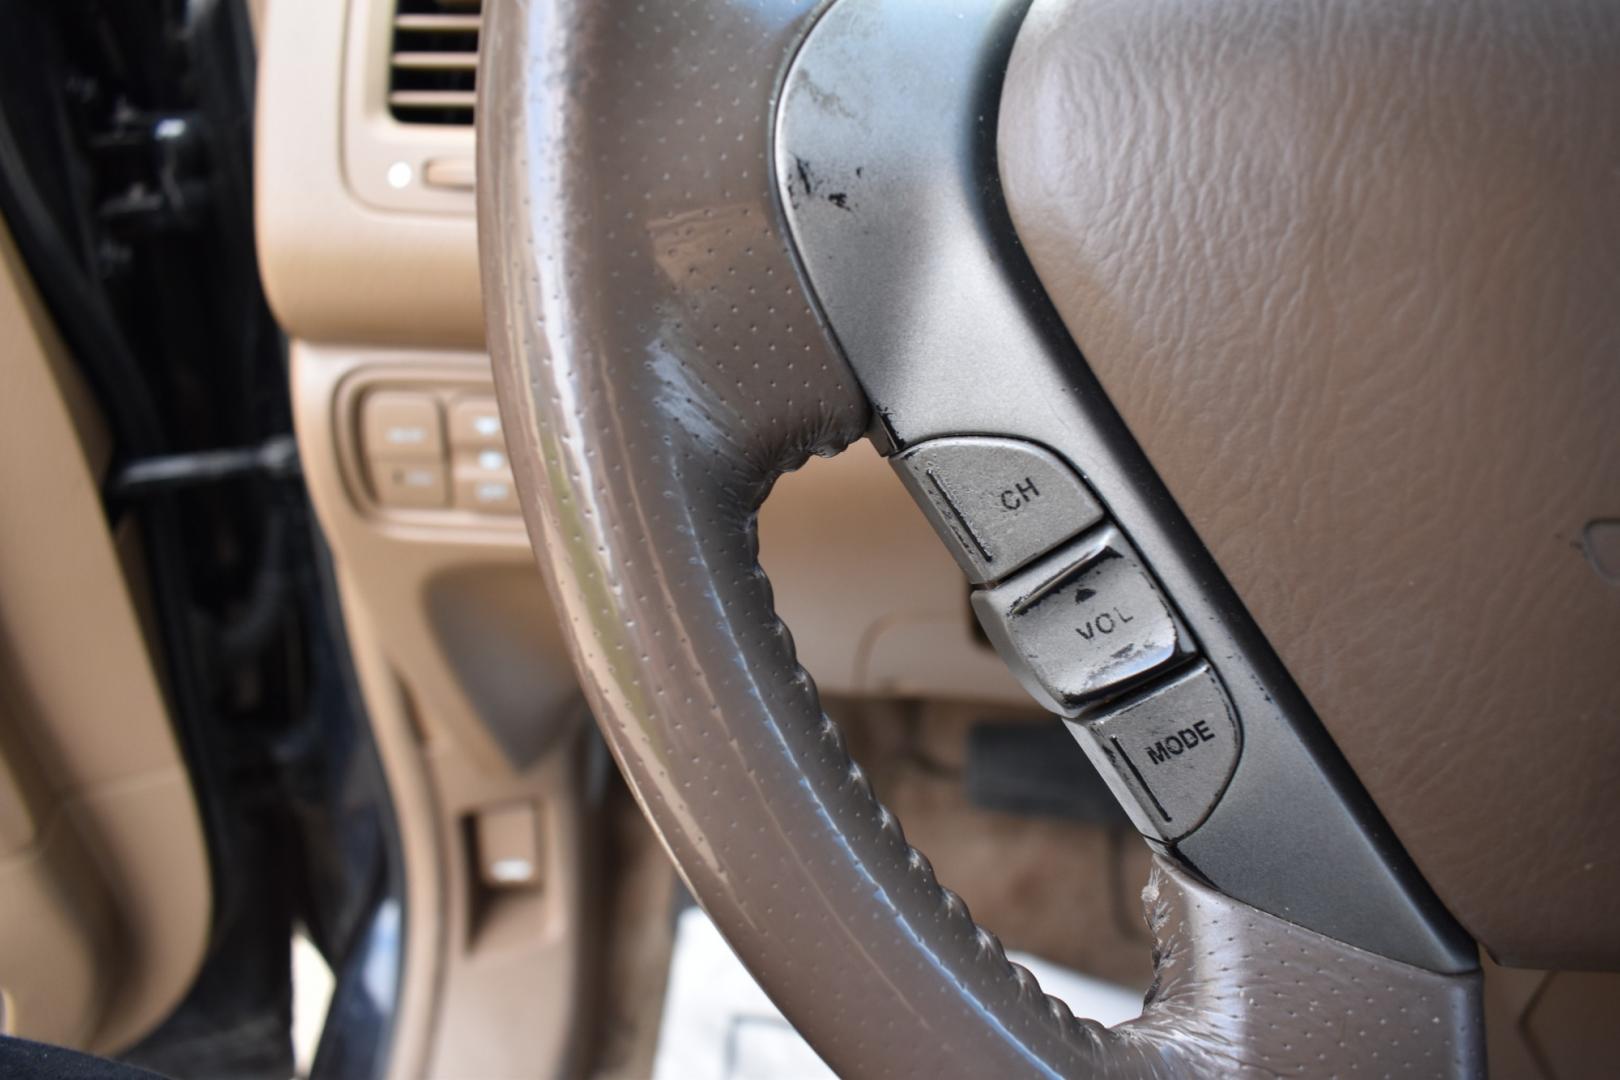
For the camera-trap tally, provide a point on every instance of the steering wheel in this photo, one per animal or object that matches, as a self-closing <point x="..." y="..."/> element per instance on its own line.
<point x="721" y="236"/>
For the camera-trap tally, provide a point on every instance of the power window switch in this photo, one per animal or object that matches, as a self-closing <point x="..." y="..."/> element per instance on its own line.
<point x="1082" y="624"/>
<point x="506" y="839"/>
<point x="475" y="423"/>
<point x="409" y="485"/>
<point x="1168" y="754"/>
<point x="398" y="425"/>
<point x="486" y="494"/>
<point x="484" y="483"/>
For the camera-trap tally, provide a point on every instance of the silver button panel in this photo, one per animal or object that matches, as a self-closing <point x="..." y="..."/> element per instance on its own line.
<point x="1290" y="834"/>
<point x="1168" y="754"/>
<point x="1082" y="623"/>
<point x="998" y="503"/>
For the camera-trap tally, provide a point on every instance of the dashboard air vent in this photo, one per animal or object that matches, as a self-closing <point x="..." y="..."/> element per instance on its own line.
<point x="433" y="68"/>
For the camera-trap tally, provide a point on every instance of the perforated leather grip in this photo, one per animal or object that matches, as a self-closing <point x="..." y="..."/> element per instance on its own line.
<point x="659" y="364"/>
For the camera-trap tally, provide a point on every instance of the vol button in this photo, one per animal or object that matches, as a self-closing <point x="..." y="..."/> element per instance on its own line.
<point x="1082" y="623"/>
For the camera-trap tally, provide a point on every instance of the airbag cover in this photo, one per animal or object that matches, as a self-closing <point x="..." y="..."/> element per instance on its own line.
<point x="1349" y="272"/>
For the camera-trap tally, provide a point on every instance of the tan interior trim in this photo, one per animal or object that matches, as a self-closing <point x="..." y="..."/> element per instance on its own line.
<point x="438" y="605"/>
<point x="373" y="141"/>
<point x="518" y="959"/>
<point x="104" y="879"/>
<point x="335" y="268"/>
<point x="416" y="818"/>
<point x="399" y="564"/>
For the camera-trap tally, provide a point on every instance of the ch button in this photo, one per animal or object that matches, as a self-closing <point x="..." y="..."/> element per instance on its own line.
<point x="998" y="503"/>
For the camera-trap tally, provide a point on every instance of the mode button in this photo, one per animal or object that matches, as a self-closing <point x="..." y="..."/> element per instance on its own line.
<point x="1169" y="754"/>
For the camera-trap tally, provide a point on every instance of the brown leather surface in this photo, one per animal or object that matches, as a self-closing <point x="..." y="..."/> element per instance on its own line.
<point x="1350" y="273"/>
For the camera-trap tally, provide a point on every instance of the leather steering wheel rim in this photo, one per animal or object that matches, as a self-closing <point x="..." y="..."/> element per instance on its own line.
<point x="659" y="364"/>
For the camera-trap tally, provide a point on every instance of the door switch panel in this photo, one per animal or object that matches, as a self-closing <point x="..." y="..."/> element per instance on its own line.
<point x="475" y="423"/>
<point x="401" y="425"/>
<point x="409" y="484"/>
<point x="998" y="503"/>
<point x="427" y="447"/>
<point x="1083" y="623"/>
<point x="1168" y="754"/>
<point x="485" y="490"/>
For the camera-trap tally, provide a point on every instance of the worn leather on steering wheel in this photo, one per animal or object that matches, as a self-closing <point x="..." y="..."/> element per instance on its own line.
<point x="659" y="365"/>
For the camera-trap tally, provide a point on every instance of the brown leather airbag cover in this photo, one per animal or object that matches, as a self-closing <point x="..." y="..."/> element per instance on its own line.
<point x="1351" y="273"/>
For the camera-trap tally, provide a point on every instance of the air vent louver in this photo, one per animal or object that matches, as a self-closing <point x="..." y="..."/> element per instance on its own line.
<point x="433" y="69"/>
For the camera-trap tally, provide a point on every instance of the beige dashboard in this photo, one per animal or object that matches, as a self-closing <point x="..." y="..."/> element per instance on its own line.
<point x="368" y="252"/>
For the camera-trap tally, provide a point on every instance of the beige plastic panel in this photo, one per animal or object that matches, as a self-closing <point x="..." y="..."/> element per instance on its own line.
<point x="104" y="889"/>
<point x="373" y="141"/>
<point x="416" y="571"/>
<point x="336" y="267"/>
<point x="473" y="704"/>
<point x="416" y="814"/>
<point x="519" y="958"/>
<point x="494" y="981"/>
